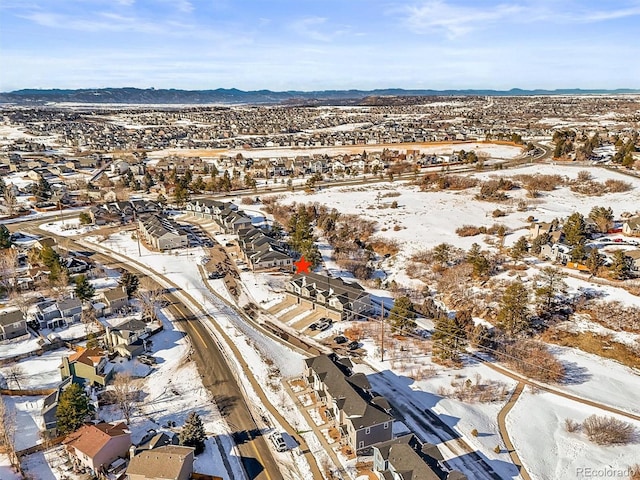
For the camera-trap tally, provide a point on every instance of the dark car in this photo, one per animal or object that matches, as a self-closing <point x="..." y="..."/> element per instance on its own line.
<point x="314" y="326"/>
<point x="340" y="339"/>
<point x="353" y="345"/>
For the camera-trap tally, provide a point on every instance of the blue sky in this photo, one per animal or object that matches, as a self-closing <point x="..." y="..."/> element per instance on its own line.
<point x="319" y="44"/>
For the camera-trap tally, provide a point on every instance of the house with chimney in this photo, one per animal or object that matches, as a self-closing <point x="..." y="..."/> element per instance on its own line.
<point x="97" y="446"/>
<point x="88" y="364"/>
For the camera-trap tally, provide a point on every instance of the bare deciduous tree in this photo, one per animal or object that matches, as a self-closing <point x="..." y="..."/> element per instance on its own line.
<point x="7" y="433"/>
<point x="149" y="295"/>
<point x="15" y="372"/>
<point x="10" y="201"/>
<point x="126" y="394"/>
<point x="8" y="268"/>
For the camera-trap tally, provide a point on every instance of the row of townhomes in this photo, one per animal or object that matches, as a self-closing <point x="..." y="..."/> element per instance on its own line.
<point x="339" y="300"/>
<point x="362" y="419"/>
<point x="122" y="212"/>
<point x="260" y="251"/>
<point x="365" y="422"/>
<point x="162" y="233"/>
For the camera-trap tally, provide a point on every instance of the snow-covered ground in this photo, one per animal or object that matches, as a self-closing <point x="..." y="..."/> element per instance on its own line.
<point x="536" y="425"/>
<point x="6" y="472"/>
<point x="67" y="228"/>
<point x="38" y="372"/>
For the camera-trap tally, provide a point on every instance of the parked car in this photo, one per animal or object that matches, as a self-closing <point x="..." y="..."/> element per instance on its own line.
<point x="278" y="441"/>
<point x="215" y="275"/>
<point x="340" y="339"/>
<point x="322" y="326"/>
<point x="353" y="345"/>
<point x="147" y="359"/>
<point x="314" y="326"/>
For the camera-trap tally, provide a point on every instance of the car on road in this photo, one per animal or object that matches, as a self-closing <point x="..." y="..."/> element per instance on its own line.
<point x="278" y="441"/>
<point x="353" y="345"/>
<point x="340" y="339"/>
<point x="215" y="275"/>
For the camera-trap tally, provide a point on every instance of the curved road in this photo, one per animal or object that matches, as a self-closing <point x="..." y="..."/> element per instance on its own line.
<point x="256" y="456"/>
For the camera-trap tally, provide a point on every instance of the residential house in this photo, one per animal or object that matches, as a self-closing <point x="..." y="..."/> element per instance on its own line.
<point x="556" y="252"/>
<point x="631" y="226"/>
<point x="153" y="440"/>
<point x="162" y="233"/>
<point x="97" y="446"/>
<point x="12" y="324"/>
<point x="128" y="339"/>
<point x="362" y="418"/>
<point x="55" y="314"/>
<point x="70" y="309"/>
<point x="114" y="300"/>
<point x="170" y="462"/>
<point x="634" y="256"/>
<point x="339" y="299"/>
<point x="75" y="265"/>
<point x="405" y="458"/>
<point x="50" y="407"/>
<point x="89" y="364"/>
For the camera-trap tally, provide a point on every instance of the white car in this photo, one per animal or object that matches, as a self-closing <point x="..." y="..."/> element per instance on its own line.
<point x="278" y="441"/>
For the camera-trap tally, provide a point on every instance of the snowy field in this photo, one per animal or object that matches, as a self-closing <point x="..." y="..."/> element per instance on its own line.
<point x="564" y="453"/>
<point x="67" y="228"/>
<point x="39" y="372"/>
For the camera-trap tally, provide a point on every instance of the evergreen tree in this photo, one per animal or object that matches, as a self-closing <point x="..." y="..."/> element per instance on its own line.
<point x="519" y="249"/>
<point x="193" y="434"/>
<point x="442" y="253"/>
<point x="478" y="261"/>
<point x="402" y="315"/>
<point x="130" y="282"/>
<point x="73" y="409"/>
<point x="3" y="186"/>
<point x="85" y="219"/>
<point x="620" y="267"/>
<point x="575" y="230"/>
<point x="449" y="337"/>
<point x="602" y="217"/>
<point x="513" y="316"/>
<point x="550" y="284"/>
<point x="84" y="290"/>
<point x="5" y="237"/>
<point x="594" y="261"/>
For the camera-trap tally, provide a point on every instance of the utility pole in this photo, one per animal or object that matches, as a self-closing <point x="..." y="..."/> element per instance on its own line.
<point x="382" y="331"/>
<point x="135" y="219"/>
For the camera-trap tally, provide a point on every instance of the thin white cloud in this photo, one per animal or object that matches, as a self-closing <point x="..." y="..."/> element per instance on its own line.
<point x="317" y="28"/>
<point x="453" y="20"/>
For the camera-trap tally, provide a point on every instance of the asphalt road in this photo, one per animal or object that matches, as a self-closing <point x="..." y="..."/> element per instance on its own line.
<point x="216" y="375"/>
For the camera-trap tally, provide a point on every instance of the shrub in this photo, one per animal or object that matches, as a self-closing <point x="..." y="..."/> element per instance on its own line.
<point x="474" y="432"/>
<point x="617" y="186"/>
<point x="394" y="204"/>
<point x="571" y="425"/>
<point x="608" y="430"/>
<point x="634" y="472"/>
<point x="383" y="246"/>
<point x="469" y="231"/>
<point x="499" y="213"/>
<point x="532" y="359"/>
<point x="584" y="176"/>
<point x="497" y="449"/>
<point x="247" y="201"/>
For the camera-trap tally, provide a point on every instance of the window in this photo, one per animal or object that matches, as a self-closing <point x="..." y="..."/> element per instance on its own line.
<point x="386" y="425"/>
<point x="361" y="444"/>
<point x="367" y="431"/>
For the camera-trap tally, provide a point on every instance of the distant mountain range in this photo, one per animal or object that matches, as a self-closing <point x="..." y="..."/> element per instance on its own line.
<point x="234" y="96"/>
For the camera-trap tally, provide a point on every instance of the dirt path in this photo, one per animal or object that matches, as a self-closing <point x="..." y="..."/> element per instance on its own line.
<point x="559" y="393"/>
<point x="502" y="416"/>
